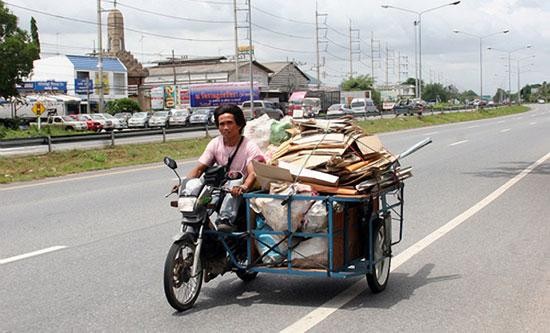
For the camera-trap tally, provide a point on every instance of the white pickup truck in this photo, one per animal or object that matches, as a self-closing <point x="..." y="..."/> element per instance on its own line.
<point x="67" y="123"/>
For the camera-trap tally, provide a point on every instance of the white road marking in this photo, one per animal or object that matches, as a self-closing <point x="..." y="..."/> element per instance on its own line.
<point x="458" y="143"/>
<point x="31" y="254"/>
<point x="532" y="123"/>
<point x="87" y="177"/>
<point x="319" y="314"/>
<point x="504" y="130"/>
<point x="431" y="133"/>
<point x="474" y="126"/>
<point x="500" y="122"/>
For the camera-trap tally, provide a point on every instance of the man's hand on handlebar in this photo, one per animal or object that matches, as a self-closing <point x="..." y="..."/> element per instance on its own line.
<point x="238" y="190"/>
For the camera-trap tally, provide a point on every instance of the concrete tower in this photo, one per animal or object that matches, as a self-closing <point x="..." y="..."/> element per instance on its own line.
<point x="115" y="30"/>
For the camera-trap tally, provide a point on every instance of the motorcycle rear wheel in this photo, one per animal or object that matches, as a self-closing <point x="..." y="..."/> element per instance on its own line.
<point x="181" y="289"/>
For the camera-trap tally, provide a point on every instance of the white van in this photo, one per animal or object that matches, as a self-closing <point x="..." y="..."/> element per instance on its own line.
<point x="363" y="106"/>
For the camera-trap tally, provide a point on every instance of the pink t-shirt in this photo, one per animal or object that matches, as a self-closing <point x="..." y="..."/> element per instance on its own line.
<point x="217" y="152"/>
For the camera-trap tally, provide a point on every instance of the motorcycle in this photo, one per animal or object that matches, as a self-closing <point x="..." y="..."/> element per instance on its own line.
<point x="200" y="252"/>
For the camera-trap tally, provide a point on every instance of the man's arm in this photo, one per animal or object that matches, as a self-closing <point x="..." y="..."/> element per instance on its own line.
<point x="197" y="171"/>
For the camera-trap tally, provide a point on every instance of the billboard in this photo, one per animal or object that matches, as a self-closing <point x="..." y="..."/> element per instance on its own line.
<point x="157" y="98"/>
<point x="169" y="97"/>
<point x="214" y="94"/>
<point x="80" y="86"/>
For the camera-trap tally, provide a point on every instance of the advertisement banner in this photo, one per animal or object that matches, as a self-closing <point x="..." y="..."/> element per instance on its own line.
<point x="80" y="86"/>
<point x="183" y="97"/>
<point x="214" y="94"/>
<point x="105" y="83"/>
<point x="157" y="98"/>
<point x="169" y="97"/>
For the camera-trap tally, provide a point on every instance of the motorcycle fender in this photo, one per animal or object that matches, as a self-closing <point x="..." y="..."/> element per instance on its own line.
<point x="188" y="233"/>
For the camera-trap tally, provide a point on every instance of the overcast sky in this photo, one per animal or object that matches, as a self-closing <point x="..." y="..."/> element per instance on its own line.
<point x="286" y="30"/>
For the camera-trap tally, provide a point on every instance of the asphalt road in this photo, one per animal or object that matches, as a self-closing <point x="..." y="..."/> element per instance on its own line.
<point x="474" y="255"/>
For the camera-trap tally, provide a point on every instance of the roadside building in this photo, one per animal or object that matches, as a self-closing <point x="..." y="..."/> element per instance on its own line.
<point x="286" y="77"/>
<point x="183" y="72"/>
<point x="81" y="75"/>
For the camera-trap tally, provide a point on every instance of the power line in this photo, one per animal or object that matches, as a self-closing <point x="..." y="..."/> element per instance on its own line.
<point x="282" y="49"/>
<point x="338" y="32"/>
<point x="282" y="18"/>
<point x="72" y="19"/>
<point x="339" y="45"/>
<point x="168" y="16"/>
<point x="280" y="33"/>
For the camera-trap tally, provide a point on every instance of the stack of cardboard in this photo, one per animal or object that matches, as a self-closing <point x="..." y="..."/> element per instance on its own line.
<point x="333" y="156"/>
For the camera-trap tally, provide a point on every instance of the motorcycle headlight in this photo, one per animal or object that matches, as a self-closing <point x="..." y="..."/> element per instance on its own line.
<point x="186" y="204"/>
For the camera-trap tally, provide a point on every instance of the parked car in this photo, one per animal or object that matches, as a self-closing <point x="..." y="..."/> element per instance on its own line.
<point x="91" y="124"/>
<point x="363" y="106"/>
<point x="115" y="121"/>
<point x="541" y="101"/>
<point x="107" y="124"/>
<point x="408" y="107"/>
<point x="139" y="119"/>
<point x="180" y="117"/>
<point x="202" y="116"/>
<point x="159" y="119"/>
<point x="260" y="108"/>
<point x="338" y="110"/>
<point x="123" y="118"/>
<point x="67" y="123"/>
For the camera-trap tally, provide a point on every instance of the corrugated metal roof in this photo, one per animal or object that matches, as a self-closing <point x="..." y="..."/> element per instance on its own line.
<point x="90" y="63"/>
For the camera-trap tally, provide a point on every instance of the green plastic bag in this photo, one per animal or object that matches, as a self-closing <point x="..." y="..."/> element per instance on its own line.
<point x="278" y="132"/>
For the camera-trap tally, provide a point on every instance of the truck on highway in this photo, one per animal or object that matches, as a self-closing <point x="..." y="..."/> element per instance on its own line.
<point x="312" y="102"/>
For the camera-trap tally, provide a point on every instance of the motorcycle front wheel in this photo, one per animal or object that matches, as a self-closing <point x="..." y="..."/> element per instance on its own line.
<point x="180" y="287"/>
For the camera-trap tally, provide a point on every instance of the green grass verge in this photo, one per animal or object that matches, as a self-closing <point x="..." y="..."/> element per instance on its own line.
<point x="23" y="168"/>
<point x="33" y="132"/>
<point x="401" y="122"/>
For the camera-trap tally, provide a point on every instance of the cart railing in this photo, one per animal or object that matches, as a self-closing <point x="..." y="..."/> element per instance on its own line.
<point x="383" y="204"/>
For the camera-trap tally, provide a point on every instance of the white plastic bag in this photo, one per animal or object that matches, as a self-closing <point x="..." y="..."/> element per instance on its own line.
<point x="276" y="215"/>
<point x="311" y="253"/>
<point x="259" y="130"/>
<point x="316" y="219"/>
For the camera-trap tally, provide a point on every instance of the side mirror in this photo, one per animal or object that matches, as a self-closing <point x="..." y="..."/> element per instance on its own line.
<point x="170" y="163"/>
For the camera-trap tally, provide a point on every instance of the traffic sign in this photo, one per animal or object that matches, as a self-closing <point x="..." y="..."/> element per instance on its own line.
<point x="38" y="108"/>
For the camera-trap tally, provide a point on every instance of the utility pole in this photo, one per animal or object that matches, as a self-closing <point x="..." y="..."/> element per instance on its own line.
<point x="174" y="68"/>
<point x="100" y="57"/>
<point x="374" y="53"/>
<point x="351" y="51"/>
<point x="250" y="52"/>
<point x="318" y="43"/>
<point x="236" y="41"/>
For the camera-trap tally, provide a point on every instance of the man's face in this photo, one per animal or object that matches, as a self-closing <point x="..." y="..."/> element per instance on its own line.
<point x="228" y="126"/>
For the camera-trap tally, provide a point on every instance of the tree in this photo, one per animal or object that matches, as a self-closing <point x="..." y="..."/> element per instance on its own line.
<point x="435" y="92"/>
<point x="468" y="95"/>
<point x="123" y="105"/>
<point x="361" y="82"/>
<point x="16" y="51"/>
<point x="34" y="34"/>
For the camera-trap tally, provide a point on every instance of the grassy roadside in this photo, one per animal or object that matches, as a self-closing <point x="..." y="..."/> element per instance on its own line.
<point x="33" y="132"/>
<point x="24" y="168"/>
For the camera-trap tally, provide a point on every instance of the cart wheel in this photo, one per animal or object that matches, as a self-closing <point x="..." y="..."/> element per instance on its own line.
<point x="378" y="278"/>
<point x="246" y="276"/>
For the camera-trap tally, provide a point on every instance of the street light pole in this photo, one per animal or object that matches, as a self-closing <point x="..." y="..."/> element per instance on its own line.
<point x="480" y="53"/>
<point x="519" y="71"/>
<point x="419" y="23"/>
<point x="509" y="52"/>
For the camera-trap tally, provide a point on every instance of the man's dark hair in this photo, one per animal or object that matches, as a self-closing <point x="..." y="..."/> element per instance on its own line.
<point x="234" y="110"/>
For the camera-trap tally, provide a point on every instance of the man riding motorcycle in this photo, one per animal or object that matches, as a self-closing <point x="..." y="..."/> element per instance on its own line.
<point x="231" y="147"/>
